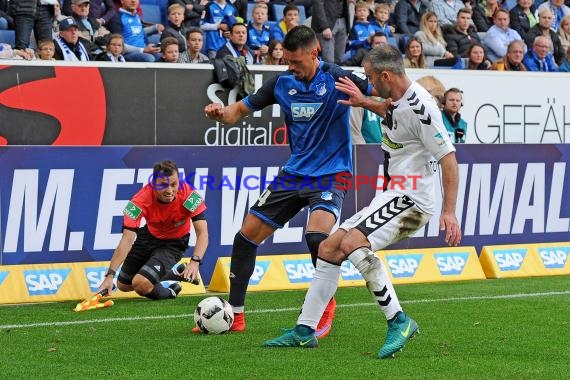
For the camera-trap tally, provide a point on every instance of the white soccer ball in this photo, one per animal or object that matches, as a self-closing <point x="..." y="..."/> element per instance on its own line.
<point x="214" y="315"/>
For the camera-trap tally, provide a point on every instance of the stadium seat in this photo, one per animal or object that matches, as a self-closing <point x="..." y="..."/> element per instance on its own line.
<point x="149" y="2"/>
<point x="278" y="12"/>
<point x="250" y="7"/>
<point x="151" y="13"/>
<point x="8" y="37"/>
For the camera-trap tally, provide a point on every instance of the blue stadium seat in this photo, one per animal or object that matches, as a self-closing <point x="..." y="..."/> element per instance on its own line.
<point x="250" y="7"/>
<point x="278" y="12"/>
<point x="8" y="37"/>
<point x="149" y="2"/>
<point x="151" y="13"/>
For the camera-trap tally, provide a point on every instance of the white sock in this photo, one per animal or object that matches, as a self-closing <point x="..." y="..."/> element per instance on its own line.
<point x="322" y="288"/>
<point x="377" y="280"/>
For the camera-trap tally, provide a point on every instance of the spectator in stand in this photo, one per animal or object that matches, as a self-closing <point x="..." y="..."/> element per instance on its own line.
<point x="382" y="19"/>
<point x="237" y="45"/>
<point x="275" y="54"/>
<point x="512" y="61"/>
<point x="499" y="36"/>
<point x="101" y="10"/>
<point x="434" y="87"/>
<point x="377" y="39"/>
<point x="169" y="50"/>
<point x="114" y="51"/>
<point x="539" y="57"/>
<point x="476" y="58"/>
<point x="195" y="42"/>
<point x="289" y="21"/>
<point x="565" y="66"/>
<point x="543" y="28"/>
<point x="564" y="34"/>
<point x="558" y="9"/>
<point x="216" y="22"/>
<point x="433" y="43"/>
<point x="446" y="10"/>
<point x="407" y="16"/>
<point x="483" y="14"/>
<point x="330" y="22"/>
<point x="68" y="45"/>
<point x="94" y="34"/>
<point x="128" y="23"/>
<point x="31" y="16"/>
<point x="414" y="58"/>
<point x="259" y="33"/>
<point x="522" y="17"/>
<point x="6" y="21"/>
<point x="361" y="31"/>
<point x="455" y="125"/>
<point x="46" y="50"/>
<point x="192" y="11"/>
<point x="175" y="27"/>
<point x="462" y="36"/>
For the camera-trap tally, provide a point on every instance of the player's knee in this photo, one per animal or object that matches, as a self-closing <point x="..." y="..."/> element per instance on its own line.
<point x="348" y="245"/>
<point x="142" y="285"/>
<point x="329" y="250"/>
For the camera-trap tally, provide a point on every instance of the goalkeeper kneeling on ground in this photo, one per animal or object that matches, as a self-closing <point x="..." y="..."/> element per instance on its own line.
<point x="149" y="263"/>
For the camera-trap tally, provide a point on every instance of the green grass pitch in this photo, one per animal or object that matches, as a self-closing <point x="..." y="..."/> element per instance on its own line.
<point x="491" y="329"/>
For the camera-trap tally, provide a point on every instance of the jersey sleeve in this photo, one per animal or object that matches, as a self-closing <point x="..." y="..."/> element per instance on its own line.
<point x="263" y="97"/>
<point x="357" y="77"/>
<point x="194" y="203"/>
<point x="433" y="134"/>
<point x="132" y="214"/>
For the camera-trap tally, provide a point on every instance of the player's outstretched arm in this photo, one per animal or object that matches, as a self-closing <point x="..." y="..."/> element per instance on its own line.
<point x="192" y="269"/>
<point x="448" y="220"/>
<point x="226" y="115"/>
<point x="357" y="99"/>
<point x="119" y="256"/>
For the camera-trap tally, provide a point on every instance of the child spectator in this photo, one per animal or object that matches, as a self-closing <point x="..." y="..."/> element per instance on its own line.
<point x="46" y="50"/>
<point x="382" y="19"/>
<point x="258" y="32"/>
<point x="359" y="35"/>
<point x="414" y="55"/>
<point x="115" y="47"/>
<point x="175" y="27"/>
<point x="433" y="43"/>
<point x="169" y="50"/>
<point x="289" y="21"/>
<point x="275" y="54"/>
<point x="195" y="42"/>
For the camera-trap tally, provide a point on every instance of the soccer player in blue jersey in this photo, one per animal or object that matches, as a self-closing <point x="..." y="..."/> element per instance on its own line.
<point x="319" y="134"/>
<point x="413" y="138"/>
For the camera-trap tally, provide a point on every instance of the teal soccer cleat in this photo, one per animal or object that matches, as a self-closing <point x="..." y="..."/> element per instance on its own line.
<point x="401" y="329"/>
<point x="290" y="338"/>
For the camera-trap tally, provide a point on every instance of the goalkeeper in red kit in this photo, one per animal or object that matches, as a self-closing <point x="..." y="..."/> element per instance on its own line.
<point x="149" y="254"/>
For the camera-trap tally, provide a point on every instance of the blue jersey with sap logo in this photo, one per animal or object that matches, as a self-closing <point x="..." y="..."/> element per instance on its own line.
<point x="317" y="126"/>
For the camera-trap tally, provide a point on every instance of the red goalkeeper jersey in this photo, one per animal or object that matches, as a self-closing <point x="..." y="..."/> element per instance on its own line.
<point x="164" y="220"/>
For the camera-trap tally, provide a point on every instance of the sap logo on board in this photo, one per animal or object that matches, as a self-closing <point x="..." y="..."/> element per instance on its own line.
<point x="509" y="259"/>
<point x="299" y="270"/>
<point x="3" y="276"/>
<point x="554" y="257"/>
<point x="258" y="272"/>
<point x="348" y="272"/>
<point x="95" y="276"/>
<point x="304" y="111"/>
<point x="404" y="265"/>
<point x="45" y="282"/>
<point x="451" y="263"/>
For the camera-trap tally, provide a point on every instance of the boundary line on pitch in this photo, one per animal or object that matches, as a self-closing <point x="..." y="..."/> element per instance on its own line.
<point x="264" y="311"/>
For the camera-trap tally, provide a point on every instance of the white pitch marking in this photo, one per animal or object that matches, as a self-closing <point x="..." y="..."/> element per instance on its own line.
<point x="264" y="311"/>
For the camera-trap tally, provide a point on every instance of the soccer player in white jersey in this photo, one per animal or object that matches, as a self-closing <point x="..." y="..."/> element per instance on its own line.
<point x="414" y="141"/>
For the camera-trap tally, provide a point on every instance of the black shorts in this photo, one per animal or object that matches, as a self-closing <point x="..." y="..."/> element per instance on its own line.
<point x="152" y="257"/>
<point x="288" y="194"/>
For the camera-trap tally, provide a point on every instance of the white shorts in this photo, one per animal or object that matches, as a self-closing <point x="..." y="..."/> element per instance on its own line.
<point x="389" y="218"/>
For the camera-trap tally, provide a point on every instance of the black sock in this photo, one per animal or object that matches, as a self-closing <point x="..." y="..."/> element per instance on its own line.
<point x="159" y="293"/>
<point x="241" y="268"/>
<point x="313" y="240"/>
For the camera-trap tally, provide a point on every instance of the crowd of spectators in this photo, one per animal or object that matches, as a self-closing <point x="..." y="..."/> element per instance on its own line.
<point x="459" y="34"/>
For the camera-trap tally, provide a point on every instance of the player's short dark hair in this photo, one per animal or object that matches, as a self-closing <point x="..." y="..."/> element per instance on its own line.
<point x="161" y="168"/>
<point x="300" y="37"/>
<point x="386" y="58"/>
<point x="236" y="25"/>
